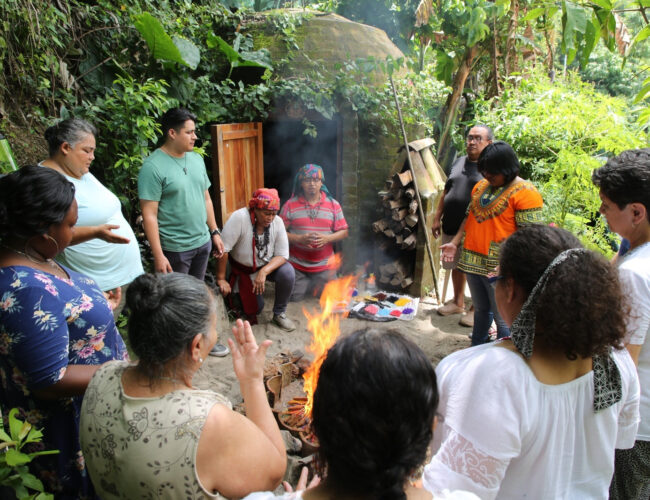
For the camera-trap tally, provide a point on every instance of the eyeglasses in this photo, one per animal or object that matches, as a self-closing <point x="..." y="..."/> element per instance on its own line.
<point x="474" y="138"/>
<point x="311" y="180"/>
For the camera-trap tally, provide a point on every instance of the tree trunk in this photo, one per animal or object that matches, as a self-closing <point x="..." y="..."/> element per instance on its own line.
<point x="452" y="101"/>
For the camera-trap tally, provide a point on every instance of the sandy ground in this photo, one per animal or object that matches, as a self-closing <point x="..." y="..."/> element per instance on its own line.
<point x="438" y="336"/>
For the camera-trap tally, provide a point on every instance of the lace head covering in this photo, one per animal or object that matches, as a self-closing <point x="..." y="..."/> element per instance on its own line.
<point x="607" y="379"/>
<point x="265" y="199"/>
<point x="309" y="171"/>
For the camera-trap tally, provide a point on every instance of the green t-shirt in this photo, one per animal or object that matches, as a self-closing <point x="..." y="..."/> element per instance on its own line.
<point x="178" y="185"/>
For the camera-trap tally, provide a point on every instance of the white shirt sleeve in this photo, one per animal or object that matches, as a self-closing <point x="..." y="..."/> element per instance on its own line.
<point x="281" y="243"/>
<point x="637" y="290"/>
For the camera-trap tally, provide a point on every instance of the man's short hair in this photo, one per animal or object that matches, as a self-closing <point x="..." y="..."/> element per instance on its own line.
<point x="175" y="118"/>
<point x="625" y="178"/>
<point x="490" y="133"/>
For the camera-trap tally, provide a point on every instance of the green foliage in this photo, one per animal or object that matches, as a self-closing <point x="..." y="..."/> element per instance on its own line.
<point x="561" y="131"/>
<point x="244" y="58"/>
<point x="162" y="46"/>
<point x="128" y="116"/>
<point x="14" y="470"/>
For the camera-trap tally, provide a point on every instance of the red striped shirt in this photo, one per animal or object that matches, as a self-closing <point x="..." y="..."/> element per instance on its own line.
<point x="327" y="218"/>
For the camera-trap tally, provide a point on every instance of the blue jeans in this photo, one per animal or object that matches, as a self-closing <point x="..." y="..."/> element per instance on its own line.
<point x="284" y="278"/>
<point x="485" y="310"/>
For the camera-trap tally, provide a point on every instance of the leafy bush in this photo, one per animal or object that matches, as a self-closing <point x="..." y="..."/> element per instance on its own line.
<point x="561" y="131"/>
<point x="14" y="470"/>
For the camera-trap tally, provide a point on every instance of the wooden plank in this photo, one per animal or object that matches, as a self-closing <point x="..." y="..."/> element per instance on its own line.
<point x="239" y="168"/>
<point x="420" y="144"/>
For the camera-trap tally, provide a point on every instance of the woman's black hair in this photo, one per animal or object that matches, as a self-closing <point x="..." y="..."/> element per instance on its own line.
<point x="32" y="199"/>
<point x="581" y="311"/>
<point x="70" y="130"/>
<point x="166" y="313"/>
<point x="625" y="178"/>
<point x="499" y="158"/>
<point x="175" y="118"/>
<point x="373" y="412"/>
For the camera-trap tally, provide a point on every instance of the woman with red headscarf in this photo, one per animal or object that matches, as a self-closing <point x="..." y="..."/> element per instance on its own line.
<point x="256" y="244"/>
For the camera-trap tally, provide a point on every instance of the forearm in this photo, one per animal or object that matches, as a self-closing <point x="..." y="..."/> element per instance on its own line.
<point x="84" y="233"/>
<point x="222" y="263"/>
<point x="73" y="383"/>
<point x="338" y="236"/>
<point x="294" y="238"/>
<point x="459" y="235"/>
<point x="259" y="412"/>
<point x="153" y="237"/>
<point x="273" y="264"/>
<point x="209" y="209"/>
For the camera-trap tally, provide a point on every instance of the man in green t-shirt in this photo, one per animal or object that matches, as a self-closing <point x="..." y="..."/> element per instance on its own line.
<point x="176" y="206"/>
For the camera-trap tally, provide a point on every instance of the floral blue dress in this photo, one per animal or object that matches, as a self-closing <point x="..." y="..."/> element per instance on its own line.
<point x="47" y="323"/>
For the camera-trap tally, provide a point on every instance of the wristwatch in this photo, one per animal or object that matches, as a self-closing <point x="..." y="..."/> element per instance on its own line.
<point x="215" y="231"/>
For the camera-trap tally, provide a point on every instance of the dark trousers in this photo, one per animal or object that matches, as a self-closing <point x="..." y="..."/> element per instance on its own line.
<point x="193" y="262"/>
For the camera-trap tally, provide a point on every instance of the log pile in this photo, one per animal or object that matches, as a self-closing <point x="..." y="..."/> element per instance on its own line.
<point x="399" y="227"/>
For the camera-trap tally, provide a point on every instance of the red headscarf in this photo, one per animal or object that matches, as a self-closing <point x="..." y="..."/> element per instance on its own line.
<point x="265" y="199"/>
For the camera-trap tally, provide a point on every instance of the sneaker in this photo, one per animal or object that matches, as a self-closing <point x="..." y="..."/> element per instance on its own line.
<point x="467" y="319"/>
<point x="219" y="350"/>
<point x="450" y="308"/>
<point x="282" y="322"/>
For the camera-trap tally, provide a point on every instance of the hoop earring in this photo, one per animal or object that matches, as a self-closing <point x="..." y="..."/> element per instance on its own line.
<point x="55" y="242"/>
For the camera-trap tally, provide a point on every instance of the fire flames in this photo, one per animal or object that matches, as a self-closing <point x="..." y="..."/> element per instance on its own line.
<point x="324" y="326"/>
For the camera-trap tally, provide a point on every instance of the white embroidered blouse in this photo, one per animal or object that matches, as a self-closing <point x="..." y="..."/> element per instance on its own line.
<point x="503" y="434"/>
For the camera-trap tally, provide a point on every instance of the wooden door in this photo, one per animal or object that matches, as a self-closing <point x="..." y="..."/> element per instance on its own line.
<point x="237" y="166"/>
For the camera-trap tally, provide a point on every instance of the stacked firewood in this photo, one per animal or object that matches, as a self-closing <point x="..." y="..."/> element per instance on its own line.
<point x="399" y="225"/>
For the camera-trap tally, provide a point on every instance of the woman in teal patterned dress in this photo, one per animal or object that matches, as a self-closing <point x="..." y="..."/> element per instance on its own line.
<point x="56" y="326"/>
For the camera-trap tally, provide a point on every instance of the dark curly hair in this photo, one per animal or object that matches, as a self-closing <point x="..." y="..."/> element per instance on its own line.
<point x="581" y="311"/>
<point x="625" y="178"/>
<point x="32" y="199"/>
<point x="166" y="312"/>
<point x="499" y="158"/>
<point x="373" y="412"/>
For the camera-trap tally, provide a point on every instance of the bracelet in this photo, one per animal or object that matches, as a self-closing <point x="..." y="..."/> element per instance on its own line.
<point x="215" y="231"/>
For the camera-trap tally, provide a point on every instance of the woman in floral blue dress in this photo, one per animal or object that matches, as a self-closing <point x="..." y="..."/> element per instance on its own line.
<point x="56" y="327"/>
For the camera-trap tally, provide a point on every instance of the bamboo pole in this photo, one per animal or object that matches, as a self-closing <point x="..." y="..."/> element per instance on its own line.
<point x="423" y="219"/>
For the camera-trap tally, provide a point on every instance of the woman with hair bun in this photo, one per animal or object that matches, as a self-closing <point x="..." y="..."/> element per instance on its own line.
<point x="373" y="416"/>
<point x="56" y="326"/>
<point x="539" y="415"/>
<point x="501" y="203"/>
<point x="147" y="432"/>
<point x="104" y="246"/>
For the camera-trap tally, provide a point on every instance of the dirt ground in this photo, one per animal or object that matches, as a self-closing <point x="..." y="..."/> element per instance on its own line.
<point x="438" y="336"/>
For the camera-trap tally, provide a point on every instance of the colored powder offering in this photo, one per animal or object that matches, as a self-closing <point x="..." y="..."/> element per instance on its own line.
<point x="392" y="299"/>
<point x="371" y="309"/>
<point x="407" y="310"/>
<point x="396" y="313"/>
<point x="380" y="296"/>
<point x="402" y="302"/>
<point x="383" y="312"/>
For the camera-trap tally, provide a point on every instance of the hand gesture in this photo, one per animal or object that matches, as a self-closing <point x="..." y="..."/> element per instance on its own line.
<point x="302" y="481"/>
<point x="435" y="229"/>
<point x="258" y="283"/>
<point x="247" y="357"/>
<point x="224" y="287"/>
<point x="318" y="240"/>
<point x="105" y="232"/>
<point x="114" y="297"/>
<point x="162" y="265"/>
<point x="448" y="252"/>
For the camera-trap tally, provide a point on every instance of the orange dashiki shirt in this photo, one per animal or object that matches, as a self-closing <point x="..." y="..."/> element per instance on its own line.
<point x="494" y="214"/>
